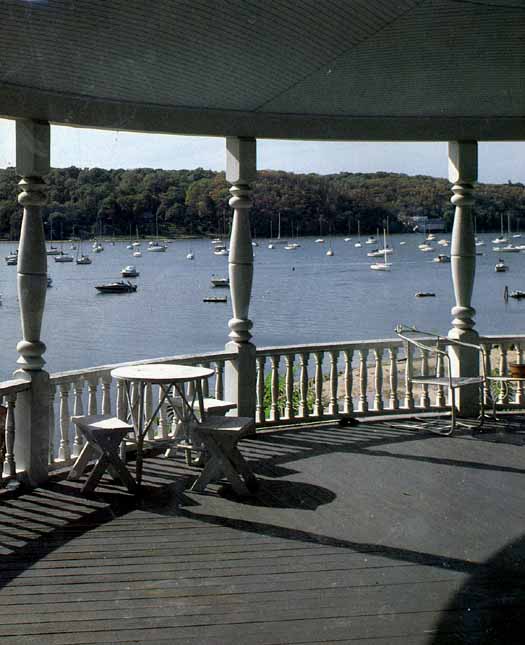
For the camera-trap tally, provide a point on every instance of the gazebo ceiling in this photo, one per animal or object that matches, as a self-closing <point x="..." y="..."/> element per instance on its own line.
<point x="319" y="69"/>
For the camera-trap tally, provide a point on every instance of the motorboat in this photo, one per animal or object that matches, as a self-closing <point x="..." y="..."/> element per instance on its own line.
<point x="129" y="272"/>
<point x="190" y="255"/>
<point x="517" y="294"/>
<point x="52" y="250"/>
<point x="501" y="267"/>
<point x="371" y="240"/>
<point x="137" y="254"/>
<point x="221" y="251"/>
<point x="442" y="258"/>
<point x="319" y="240"/>
<point x="157" y="247"/>
<point x="63" y="257"/>
<point x="83" y="259"/>
<point x="12" y="258"/>
<point x="97" y="247"/>
<point x="425" y="294"/>
<point x="215" y="299"/>
<point x="116" y="287"/>
<point x="217" y="281"/>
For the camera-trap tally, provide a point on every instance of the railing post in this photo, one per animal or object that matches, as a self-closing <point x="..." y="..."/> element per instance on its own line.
<point x="9" y="456"/>
<point x="394" y="398"/>
<point x="304" y="410"/>
<point x="32" y="411"/>
<point x="363" y="380"/>
<point x="334" y="404"/>
<point x="260" y="414"/>
<point x="318" y="403"/>
<point x="378" y="397"/>
<point x="463" y="172"/>
<point x="240" y="374"/>
<point x="349" y="404"/>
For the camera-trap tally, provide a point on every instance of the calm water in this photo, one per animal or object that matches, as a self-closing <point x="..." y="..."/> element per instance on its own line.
<point x="299" y="296"/>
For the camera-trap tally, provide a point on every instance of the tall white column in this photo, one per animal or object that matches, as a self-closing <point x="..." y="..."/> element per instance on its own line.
<point x="240" y="376"/>
<point x="463" y="172"/>
<point x="32" y="410"/>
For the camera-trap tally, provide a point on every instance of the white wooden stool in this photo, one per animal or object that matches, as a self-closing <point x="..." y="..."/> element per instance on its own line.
<point x="220" y="436"/>
<point x="103" y="435"/>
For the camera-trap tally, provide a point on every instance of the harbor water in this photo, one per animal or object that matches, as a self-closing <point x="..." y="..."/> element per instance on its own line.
<point x="299" y="296"/>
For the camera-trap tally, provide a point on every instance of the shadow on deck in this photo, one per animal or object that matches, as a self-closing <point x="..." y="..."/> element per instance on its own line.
<point x="378" y="533"/>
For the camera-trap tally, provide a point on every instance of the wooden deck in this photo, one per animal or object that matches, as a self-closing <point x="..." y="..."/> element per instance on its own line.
<point x="373" y="534"/>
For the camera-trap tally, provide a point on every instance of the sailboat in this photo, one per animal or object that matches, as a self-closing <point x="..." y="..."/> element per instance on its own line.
<point x="358" y="243"/>
<point x="81" y="258"/>
<point x="156" y="246"/>
<point x="501" y="239"/>
<point x="320" y="239"/>
<point x="52" y="250"/>
<point x="382" y="266"/>
<point x="279" y="240"/>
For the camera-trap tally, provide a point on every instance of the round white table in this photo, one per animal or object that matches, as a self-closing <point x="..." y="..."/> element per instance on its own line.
<point x="170" y="378"/>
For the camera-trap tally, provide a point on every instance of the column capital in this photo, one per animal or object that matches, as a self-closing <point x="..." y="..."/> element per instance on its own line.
<point x="241" y="160"/>
<point x="33" y="156"/>
<point x="463" y="162"/>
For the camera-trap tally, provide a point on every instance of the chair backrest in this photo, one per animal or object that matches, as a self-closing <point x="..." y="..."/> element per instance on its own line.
<point x="438" y="345"/>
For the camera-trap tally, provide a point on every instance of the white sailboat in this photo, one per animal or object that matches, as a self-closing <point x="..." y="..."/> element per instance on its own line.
<point x="156" y="246"/>
<point x="358" y="243"/>
<point x="382" y="266"/>
<point x="501" y="239"/>
<point x="81" y="258"/>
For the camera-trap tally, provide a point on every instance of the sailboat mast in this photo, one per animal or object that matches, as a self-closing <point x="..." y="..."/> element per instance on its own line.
<point x="384" y="245"/>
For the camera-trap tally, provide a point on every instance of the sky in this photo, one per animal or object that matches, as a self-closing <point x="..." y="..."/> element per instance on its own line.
<point x="498" y="162"/>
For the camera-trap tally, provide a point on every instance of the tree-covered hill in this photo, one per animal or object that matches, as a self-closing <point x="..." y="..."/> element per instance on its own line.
<point x="84" y="202"/>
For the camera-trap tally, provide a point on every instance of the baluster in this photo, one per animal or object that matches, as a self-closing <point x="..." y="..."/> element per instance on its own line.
<point x="394" y="397"/>
<point x="78" y="411"/>
<point x="9" y="456"/>
<point x="503" y="370"/>
<point x="92" y="394"/>
<point x="520" y="398"/>
<point x="440" y="373"/>
<point x="409" y="372"/>
<point x="148" y="410"/>
<point x="425" y="399"/>
<point x="304" y="408"/>
<point x="378" y="398"/>
<point x="204" y="383"/>
<point x="164" y="425"/>
<point x="122" y="414"/>
<point x="348" y="402"/>
<point x="64" y="453"/>
<point x="334" y="382"/>
<point x="363" y="380"/>
<point x="219" y="380"/>
<point x="106" y="394"/>
<point x="259" y="406"/>
<point x="275" y="412"/>
<point x="488" y="371"/>
<point x="289" y="409"/>
<point x="318" y="403"/>
<point x="52" y="391"/>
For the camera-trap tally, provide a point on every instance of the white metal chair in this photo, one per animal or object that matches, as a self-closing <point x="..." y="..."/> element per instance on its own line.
<point x="436" y="345"/>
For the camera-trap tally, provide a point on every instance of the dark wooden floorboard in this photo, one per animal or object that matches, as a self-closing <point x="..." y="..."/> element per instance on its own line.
<point x="379" y="533"/>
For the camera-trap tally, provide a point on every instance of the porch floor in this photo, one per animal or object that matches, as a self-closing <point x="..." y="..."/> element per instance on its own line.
<point x="377" y="533"/>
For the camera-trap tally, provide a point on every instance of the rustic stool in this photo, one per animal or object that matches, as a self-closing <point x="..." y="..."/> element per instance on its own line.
<point x="103" y="435"/>
<point x="220" y="436"/>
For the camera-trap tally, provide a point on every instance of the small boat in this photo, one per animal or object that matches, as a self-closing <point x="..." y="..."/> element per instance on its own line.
<point x="271" y="246"/>
<point x="426" y="248"/>
<point x="347" y="239"/>
<point x="425" y="294"/>
<point x="97" y="248"/>
<point x="371" y="240"/>
<point x="330" y="252"/>
<point x="190" y="255"/>
<point x="501" y="267"/>
<point x="215" y="299"/>
<point x="382" y="266"/>
<point x="442" y="258"/>
<point x="517" y="294"/>
<point x="52" y="250"/>
<point x="402" y="243"/>
<point x="49" y="281"/>
<point x="12" y="258"/>
<point x="220" y="251"/>
<point x="157" y="247"/>
<point x="291" y="246"/>
<point x="217" y="281"/>
<point x="137" y="254"/>
<point x="129" y="272"/>
<point x="430" y="237"/>
<point x="509" y="248"/>
<point x="116" y="287"/>
<point x="83" y="259"/>
<point x="319" y="241"/>
<point x="63" y="257"/>
<point x="134" y="245"/>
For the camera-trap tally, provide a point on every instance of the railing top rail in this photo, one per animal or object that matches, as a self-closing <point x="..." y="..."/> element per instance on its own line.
<point x="502" y="338"/>
<point x="326" y="347"/>
<point x="58" y="377"/>
<point x="14" y="385"/>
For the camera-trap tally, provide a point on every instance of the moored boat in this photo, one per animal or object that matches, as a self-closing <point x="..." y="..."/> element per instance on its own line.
<point x="217" y="281"/>
<point x="129" y="272"/>
<point x="116" y="287"/>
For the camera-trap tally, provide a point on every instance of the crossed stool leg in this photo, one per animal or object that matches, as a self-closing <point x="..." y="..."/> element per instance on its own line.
<point x="220" y="436"/>
<point x="103" y="435"/>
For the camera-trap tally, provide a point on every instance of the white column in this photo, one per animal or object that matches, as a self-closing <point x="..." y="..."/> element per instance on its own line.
<point x="240" y="376"/>
<point x="463" y="172"/>
<point x="32" y="411"/>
